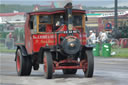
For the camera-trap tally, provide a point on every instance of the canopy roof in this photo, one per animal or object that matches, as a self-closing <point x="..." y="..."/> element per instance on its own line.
<point x="54" y="11"/>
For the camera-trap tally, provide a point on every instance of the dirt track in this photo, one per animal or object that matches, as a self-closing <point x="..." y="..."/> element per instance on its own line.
<point x="108" y="71"/>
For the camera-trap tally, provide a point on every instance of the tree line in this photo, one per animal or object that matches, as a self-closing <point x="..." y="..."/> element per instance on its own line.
<point x="7" y="8"/>
<point x="15" y="7"/>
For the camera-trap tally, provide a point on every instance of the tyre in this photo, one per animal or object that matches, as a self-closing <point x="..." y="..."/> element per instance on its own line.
<point x="69" y="71"/>
<point x="48" y="65"/>
<point x="23" y="64"/>
<point x="89" y="66"/>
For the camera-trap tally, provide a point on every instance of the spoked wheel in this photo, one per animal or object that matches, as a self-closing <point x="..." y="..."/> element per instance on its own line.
<point x="48" y="65"/>
<point x="114" y="43"/>
<point x="89" y="63"/>
<point x="23" y="64"/>
<point x="69" y="71"/>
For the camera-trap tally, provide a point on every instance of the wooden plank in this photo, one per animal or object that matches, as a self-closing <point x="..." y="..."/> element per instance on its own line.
<point x="83" y="22"/>
<point x="37" y="23"/>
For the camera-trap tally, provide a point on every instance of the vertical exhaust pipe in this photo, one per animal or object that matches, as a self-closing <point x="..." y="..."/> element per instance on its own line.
<point x="68" y="9"/>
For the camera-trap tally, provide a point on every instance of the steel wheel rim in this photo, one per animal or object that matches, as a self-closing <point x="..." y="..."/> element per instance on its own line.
<point x="45" y="64"/>
<point x="18" y="63"/>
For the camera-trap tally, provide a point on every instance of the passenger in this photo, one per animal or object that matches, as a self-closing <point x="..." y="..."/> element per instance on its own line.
<point x="58" y="23"/>
<point x="61" y="20"/>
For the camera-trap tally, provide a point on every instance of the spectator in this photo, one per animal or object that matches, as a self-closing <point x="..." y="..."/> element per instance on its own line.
<point x="103" y="37"/>
<point x="9" y="40"/>
<point x="99" y="37"/>
<point x="10" y="35"/>
<point x="92" y="37"/>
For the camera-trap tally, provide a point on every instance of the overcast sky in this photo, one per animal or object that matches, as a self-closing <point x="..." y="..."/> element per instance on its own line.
<point x="103" y="3"/>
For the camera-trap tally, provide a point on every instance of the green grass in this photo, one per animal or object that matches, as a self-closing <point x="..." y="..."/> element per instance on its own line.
<point x="1" y="45"/>
<point x="120" y="52"/>
<point x="6" y="50"/>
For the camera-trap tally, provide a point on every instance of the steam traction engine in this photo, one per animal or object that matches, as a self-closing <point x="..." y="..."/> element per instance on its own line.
<point x="56" y="38"/>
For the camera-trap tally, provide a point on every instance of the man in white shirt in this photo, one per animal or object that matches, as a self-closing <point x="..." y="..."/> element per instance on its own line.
<point x="104" y="37"/>
<point x="92" y="37"/>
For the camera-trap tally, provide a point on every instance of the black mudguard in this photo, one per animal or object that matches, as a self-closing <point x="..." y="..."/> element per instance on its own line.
<point x="23" y="50"/>
<point x="85" y="49"/>
<point x="88" y="47"/>
<point x="41" y="53"/>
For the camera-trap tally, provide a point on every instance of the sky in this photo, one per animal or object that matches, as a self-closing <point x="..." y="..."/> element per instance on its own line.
<point x="103" y="3"/>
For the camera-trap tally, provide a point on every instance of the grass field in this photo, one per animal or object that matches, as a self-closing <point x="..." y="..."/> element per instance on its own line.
<point x="120" y="52"/>
<point x="3" y="49"/>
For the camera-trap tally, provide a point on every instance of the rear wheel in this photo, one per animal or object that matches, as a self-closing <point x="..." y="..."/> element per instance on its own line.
<point x="48" y="65"/>
<point x="23" y="64"/>
<point x="69" y="71"/>
<point x="89" y="63"/>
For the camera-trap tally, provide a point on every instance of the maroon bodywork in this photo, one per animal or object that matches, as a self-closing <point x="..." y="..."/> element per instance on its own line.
<point x="64" y="48"/>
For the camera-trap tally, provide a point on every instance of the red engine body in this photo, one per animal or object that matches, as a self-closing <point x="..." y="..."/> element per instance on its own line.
<point x="57" y="39"/>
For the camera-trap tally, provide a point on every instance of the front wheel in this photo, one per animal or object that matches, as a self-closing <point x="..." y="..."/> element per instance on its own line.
<point x="48" y="65"/>
<point x="23" y="64"/>
<point x="89" y="65"/>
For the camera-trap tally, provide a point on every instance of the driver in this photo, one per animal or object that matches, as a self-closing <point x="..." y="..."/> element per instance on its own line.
<point x="59" y="22"/>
